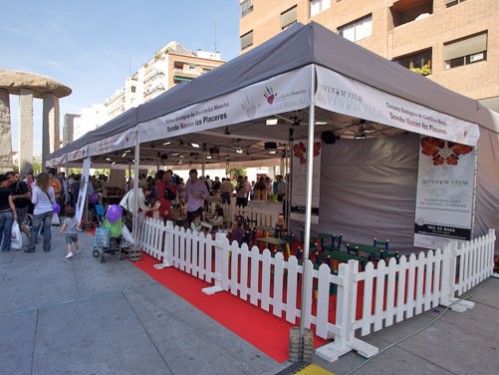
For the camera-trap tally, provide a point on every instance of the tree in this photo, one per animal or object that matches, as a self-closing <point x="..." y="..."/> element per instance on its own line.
<point x="425" y="70"/>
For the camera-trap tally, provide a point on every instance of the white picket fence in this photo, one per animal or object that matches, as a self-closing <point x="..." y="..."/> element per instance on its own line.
<point x="336" y="305"/>
<point x="265" y="213"/>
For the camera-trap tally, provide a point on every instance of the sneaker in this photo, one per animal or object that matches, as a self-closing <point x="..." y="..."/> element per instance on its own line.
<point x="78" y="251"/>
<point x="70" y="255"/>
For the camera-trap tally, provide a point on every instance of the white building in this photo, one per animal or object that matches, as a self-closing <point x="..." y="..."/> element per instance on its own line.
<point x="170" y="65"/>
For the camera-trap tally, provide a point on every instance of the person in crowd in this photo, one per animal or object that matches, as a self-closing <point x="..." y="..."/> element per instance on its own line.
<point x="30" y="180"/>
<point x="252" y="192"/>
<point x="43" y="197"/>
<point x="128" y="201"/>
<point x="218" y="220"/>
<point x="199" y="226"/>
<point x="70" y="231"/>
<point x="247" y="185"/>
<point x="21" y="195"/>
<point x="158" y="191"/>
<point x="208" y="182"/>
<point x="170" y="194"/>
<point x="216" y="186"/>
<point x="196" y="193"/>
<point x="241" y="197"/>
<point x="75" y="189"/>
<point x="281" y="188"/>
<point x="226" y="191"/>
<point x="268" y="184"/>
<point x="238" y="230"/>
<point x="7" y="212"/>
<point x="261" y="189"/>
<point x="56" y="183"/>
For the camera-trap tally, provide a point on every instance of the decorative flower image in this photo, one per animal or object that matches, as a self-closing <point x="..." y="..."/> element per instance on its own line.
<point x="443" y="152"/>
<point x="300" y="151"/>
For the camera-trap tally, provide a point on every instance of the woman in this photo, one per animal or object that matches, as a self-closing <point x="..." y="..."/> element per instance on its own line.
<point x="160" y="193"/>
<point x="7" y="212"/>
<point x="170" y="194"/>
<point x="43" y="197"/>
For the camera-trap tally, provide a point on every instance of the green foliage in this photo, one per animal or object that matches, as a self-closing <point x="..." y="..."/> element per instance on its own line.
<point x="424" y="71"/>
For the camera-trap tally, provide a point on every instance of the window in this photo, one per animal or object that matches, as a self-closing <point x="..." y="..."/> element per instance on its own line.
<point x="288" y="18"/>
<point x="405" y="11"/>
<point x="247" y="40"/>
<point x="418" y="61"/>
<point x="246" y="7"/>
<point x="450" y="3"/>
<point x="317" y="6"/>
<point x="357" y="30"/>
<point x="466" y="51"/>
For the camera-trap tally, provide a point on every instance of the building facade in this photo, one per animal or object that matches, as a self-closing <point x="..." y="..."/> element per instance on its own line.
<point x="453" y="42"/>
<point x="169" y="66"/>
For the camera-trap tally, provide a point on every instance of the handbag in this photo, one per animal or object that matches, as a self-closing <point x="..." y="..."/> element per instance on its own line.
<point x="16" y="242"/>
<point x="169" y="194"/>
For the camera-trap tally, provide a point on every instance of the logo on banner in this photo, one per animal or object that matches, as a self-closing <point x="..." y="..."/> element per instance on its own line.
<point x="300" y="150"/>
<point x="443" y="152"/>
<point x="269" y="95"/>
<point x="249" y="107"/>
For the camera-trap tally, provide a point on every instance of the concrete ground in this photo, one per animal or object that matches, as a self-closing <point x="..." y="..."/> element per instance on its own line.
<point x="80" y="316"/>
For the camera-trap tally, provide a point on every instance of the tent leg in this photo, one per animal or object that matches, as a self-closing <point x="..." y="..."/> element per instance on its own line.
<point x="136" y="185"/>
<point x="308" y="204"/>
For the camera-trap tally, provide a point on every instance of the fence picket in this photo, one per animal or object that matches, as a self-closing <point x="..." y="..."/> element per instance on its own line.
<point x="291" y="290"/>
<point x="420" y="282"/>
<point x="411" y="303"/>
<point x="401" y="290"/>
<point x="428" y="292"/>
<point x="244" y="273"/>
<point x="367" y="298"/>
<point x="323" y="296"/>
<point x="390" y="299"/>
<point x="255" y="271"/>
<point x="278" y="284"/>
<point x="265" y="294"/>
<point x="380" y="295"/>
<point x="234" y="268"/>
<point x="437" y="288"/>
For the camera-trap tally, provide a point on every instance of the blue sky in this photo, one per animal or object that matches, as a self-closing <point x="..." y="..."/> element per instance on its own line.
<point x="93" y="46"/>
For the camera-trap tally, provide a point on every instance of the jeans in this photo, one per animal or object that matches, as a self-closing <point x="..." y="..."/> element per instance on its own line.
<point x="6" y="221"/>
<point x="44" y="219"/>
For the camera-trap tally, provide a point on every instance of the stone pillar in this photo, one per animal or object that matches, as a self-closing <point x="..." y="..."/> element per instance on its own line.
<point x="50" y="128"/>
<point x="5" y="137"/>
<point x="25" y="131"/>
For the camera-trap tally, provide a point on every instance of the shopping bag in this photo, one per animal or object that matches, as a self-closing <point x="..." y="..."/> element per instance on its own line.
<point x="127" y="236"/>
<point x="16" y="242"/>
<point x="55" y="220"/>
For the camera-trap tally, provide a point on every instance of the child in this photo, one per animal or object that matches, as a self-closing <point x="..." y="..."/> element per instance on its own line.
<point x="197" y="225"/>
<point x="70" y="230"/>
<point x="238" y="230"/>
<point x="218" y="220"/>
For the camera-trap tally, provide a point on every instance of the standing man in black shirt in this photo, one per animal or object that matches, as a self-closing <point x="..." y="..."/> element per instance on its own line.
<point x="21" y="195"/>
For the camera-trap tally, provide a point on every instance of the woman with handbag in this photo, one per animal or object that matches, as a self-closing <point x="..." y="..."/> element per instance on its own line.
<point x="43" y="197"/>
<point x="7" y="212"/>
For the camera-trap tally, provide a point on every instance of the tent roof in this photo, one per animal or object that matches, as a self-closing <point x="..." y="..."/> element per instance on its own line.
<point x="299" y="46"/>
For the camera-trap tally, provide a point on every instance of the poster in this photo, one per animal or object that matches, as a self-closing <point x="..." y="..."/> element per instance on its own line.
<point x="80" y="204"/>
<point x="299" y="178"/>
<point x="445" y="193"/>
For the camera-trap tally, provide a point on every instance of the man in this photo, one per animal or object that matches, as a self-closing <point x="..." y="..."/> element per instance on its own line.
<point x="195" y="194"/>
<point x="248" y="188"/>
<point x="216" y="185"/>
<point x="241" y="196"/>
<point x="56" y="183"/>
<point x="226" y="190"/>
<point x="21" y="195"/>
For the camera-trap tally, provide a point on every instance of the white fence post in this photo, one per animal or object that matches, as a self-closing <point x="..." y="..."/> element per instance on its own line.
<point x="166" y="240"/>
<point x="346" y="306"/>
<point x="449" y="276"/>
<point x="221" y="246"/>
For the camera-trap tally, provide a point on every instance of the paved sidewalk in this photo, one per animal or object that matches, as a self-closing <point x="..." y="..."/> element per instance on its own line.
<point x="79" y="316"/>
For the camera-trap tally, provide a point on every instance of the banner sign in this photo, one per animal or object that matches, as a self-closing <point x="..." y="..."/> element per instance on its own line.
<point x="347" y="96"/>
<point x="80" y="204"/>
<point x="299" y="178"/>
<point x="445" y="192"/>
<point x="287" y="92"/>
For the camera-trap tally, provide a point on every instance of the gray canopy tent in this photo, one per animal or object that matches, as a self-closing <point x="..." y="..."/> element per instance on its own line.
<point x="312" y="82"/>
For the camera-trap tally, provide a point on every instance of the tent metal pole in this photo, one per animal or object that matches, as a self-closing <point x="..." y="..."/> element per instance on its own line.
<point x="308" y="204"/>
<point x="136" y="184"/>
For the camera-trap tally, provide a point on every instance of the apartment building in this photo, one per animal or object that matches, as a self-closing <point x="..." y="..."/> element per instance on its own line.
<point x="453" y="42"/>
<point x="68" y="128"/>
<point x="169" y="66"/>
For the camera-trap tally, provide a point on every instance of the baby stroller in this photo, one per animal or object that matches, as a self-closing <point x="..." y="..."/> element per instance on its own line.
<point x="108" y="237"/>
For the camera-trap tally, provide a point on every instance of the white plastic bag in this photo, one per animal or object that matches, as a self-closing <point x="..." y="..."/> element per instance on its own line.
<point x="16" y="242"/>
<point x="56" y="221"/>
<point x="127" y="236"/>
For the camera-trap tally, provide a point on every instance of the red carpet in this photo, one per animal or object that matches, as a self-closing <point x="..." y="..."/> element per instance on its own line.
<point x="261" y="329"/>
